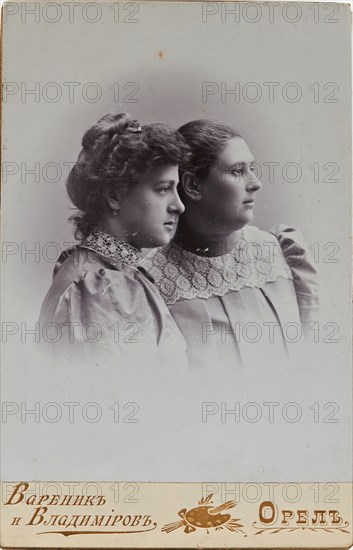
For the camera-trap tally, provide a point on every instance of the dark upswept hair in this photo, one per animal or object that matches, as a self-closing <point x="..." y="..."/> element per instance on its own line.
<point x="206" y="139"/>
<point x="115" y="153"/>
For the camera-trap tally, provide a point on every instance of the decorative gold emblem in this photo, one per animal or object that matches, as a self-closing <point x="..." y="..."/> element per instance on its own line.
<point x="206" y="516"/>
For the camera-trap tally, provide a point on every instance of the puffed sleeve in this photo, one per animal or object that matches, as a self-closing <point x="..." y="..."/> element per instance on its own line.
<point x="99" y="315"/>
<point x="305" y="276"/>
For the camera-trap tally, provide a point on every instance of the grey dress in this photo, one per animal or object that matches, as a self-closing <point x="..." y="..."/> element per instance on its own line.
<point x="252" y="305"/>
<point x="103" y="307"/>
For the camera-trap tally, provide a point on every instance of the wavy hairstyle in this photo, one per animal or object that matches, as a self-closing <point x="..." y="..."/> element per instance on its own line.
<point x="206" y="139"/>
<point x="115" y="153"/>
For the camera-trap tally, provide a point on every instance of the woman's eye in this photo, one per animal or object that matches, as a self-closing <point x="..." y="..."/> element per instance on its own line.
<point x="163" y="191"/>
<point x="238" y="171"/>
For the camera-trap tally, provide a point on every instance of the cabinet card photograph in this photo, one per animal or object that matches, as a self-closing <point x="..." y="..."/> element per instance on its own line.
<point x="176" y="275"/>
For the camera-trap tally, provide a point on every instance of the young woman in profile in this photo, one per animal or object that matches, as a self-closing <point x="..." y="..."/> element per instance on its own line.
<point x="239" y="295"/>
<point x="101" y="303"/>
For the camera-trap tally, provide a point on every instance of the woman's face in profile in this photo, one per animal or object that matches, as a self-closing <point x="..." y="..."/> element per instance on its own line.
<point x="150" y="212"/>
<point x="228" y="192"/>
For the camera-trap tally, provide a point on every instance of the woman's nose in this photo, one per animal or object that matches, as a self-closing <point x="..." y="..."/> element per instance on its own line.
<point x="176" y="205"/>
<point x="252" y="181"/>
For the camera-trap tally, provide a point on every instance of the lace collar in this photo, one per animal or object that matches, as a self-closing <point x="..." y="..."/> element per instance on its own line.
<point x="113" y="248"/>
<point x="179" y="274"/>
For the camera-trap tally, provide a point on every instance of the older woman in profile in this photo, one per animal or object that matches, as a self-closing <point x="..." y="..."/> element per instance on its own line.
<point x="104" y="306"/>
<point x="239" y="295"/>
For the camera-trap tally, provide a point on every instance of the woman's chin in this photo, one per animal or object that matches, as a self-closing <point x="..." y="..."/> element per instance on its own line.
<point x="239" y="223"/>
<point x="247" y="217"/>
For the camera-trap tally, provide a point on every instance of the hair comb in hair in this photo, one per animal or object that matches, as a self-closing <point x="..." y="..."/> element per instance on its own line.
<point x="135" y="127"/>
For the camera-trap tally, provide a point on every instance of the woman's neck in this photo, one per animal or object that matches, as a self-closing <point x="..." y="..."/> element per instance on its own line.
<point x="112" y="227"/>
<point x="205" y="244"/>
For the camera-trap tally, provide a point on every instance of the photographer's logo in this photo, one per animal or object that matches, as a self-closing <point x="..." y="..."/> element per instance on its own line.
<point x="206" y="516"/>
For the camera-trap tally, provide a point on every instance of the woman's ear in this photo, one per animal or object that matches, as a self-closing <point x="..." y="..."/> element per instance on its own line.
<point x="113" y="202"/>
<point x="190" y="186"/>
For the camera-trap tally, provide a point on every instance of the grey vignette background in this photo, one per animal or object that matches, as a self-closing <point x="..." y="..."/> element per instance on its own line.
<point x="167" y="55"/>
<point x="158" y="66"/>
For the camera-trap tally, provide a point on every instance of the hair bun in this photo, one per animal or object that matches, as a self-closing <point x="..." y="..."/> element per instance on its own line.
<point x="108" y="126"/>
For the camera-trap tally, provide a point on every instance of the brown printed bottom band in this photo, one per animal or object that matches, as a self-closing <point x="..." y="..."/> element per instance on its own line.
<point x="176" y="515"/>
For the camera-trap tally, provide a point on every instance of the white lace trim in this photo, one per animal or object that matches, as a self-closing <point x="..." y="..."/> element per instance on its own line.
<point x="113" y="248"/>
<point x="257" y="259"/>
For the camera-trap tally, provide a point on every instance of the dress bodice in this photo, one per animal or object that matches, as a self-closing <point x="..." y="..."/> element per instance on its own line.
<point x="106" y="307"/>
<point x="243" y="306"/>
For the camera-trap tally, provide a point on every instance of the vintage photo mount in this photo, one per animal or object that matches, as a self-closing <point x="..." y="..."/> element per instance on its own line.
<point x="285" y="510"/>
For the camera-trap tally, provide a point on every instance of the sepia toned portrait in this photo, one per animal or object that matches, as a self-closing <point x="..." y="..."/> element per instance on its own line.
<point x="176" y="274"/>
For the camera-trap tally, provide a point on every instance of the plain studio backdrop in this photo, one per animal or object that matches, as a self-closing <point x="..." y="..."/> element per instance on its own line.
<point x="283" y="82"/>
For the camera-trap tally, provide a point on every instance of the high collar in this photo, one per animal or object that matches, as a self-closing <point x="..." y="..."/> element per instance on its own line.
<point x="179" y="274"/>
<point x="112" y="248"/>
<point x="188" y="239"/>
